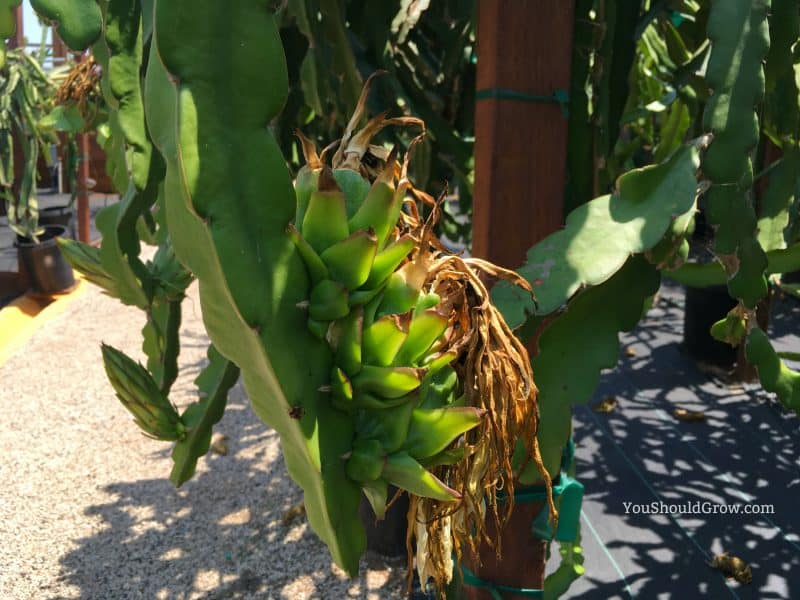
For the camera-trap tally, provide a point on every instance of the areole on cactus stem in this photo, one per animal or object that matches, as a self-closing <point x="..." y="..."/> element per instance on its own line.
<point x="439" y="388"/>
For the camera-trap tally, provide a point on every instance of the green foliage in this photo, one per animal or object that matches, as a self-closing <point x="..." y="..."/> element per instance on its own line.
<point x="668" y="98"/>
<point x="664" y="105"/>
<point x="78" y="22"/>
<point x="775" y="376"/>
<point x="428" y="51"/>
<point x="26" y="96"/>
<point x="634" y="90"/>
<point x="781" y="71"/>
<point x="739" y="42"/>
<point x="602" y="234"/>
<point x="120" y="53"/>
<point x="221" y="162"/>
<point x="613" y="64"/>
<point x="777" y="202"/>
<point x="213" y="383"/>
<point x="8" y="24"/>
<point x="585" y="337"/>
<point x="695" y="274"/>
<point x="157" y="286"/>
<point x="86" y="259"/>
<point x="580" y="147"/>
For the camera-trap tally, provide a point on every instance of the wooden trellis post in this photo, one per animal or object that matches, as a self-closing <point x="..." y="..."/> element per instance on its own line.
<point x="524" y="60"/>
<point x="18" y="41"/>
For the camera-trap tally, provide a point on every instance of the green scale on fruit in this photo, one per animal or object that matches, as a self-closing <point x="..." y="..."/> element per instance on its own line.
<point x="420" y="355"/>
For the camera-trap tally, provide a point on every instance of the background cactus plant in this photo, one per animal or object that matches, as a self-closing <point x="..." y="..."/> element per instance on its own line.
<point x="428" y="51"/>
<point x="748" y="244"/>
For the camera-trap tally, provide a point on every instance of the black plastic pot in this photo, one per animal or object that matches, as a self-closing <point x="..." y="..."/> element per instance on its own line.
<point x="793" y="277"/>
<point x="46" y="268"/>
<point x="55" y="215"/>
<point x="704" y="307"/>
<point x="386" y="537"/>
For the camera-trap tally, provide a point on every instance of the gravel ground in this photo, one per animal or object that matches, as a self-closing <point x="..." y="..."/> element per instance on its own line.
<point x="86" y="510"/>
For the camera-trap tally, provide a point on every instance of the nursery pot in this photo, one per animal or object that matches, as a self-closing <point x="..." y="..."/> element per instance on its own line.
<point x="387" y="536"/>
<point x="793" y="277"/>
<point x="46" y="268"/>
<point x="704" y="307"/>
<point x="55" y="215"/>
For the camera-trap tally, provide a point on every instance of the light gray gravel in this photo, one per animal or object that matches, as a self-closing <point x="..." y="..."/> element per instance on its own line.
<point x="86" y="510"/>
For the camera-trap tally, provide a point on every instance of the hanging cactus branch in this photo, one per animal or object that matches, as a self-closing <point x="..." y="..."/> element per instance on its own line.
<point x="739" y="43"/>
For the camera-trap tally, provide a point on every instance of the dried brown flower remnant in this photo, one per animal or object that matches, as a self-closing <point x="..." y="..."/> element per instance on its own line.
<point x="82" y="88"/>
<point x="732" y="567"/>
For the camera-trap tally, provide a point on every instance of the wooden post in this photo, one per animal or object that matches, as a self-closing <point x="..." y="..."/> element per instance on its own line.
<point x="524" y="47"/>
<point x="524" y="61"/>
<point x="84" y="217"/>
<point x="18" y="41"/>
<point x="59" y="49"/>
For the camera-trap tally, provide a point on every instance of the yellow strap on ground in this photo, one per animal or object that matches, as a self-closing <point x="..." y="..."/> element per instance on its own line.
<point x="20" y="319"/>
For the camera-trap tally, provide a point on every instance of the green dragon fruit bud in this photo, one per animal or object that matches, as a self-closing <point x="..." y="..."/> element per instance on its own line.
<point x="140" y="394"/>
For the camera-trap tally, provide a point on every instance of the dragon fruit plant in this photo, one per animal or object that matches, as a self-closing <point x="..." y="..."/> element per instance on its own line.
<point x="375" y="353"/>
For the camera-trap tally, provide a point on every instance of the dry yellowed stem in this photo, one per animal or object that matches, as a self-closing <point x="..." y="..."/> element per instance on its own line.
<point x="495" y="371"/>
<point x="82" y="87"/>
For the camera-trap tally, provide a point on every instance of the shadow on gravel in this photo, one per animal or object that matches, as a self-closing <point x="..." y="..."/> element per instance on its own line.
<point x="222" y="535"/>
<point x="746" y="453"/>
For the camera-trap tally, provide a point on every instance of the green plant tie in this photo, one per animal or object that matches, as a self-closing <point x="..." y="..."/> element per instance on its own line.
<point x="676" y="18"/>
<point x="560" y="97"/>
<point x="495" y="588"/>
<point x="569" y="492"/>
